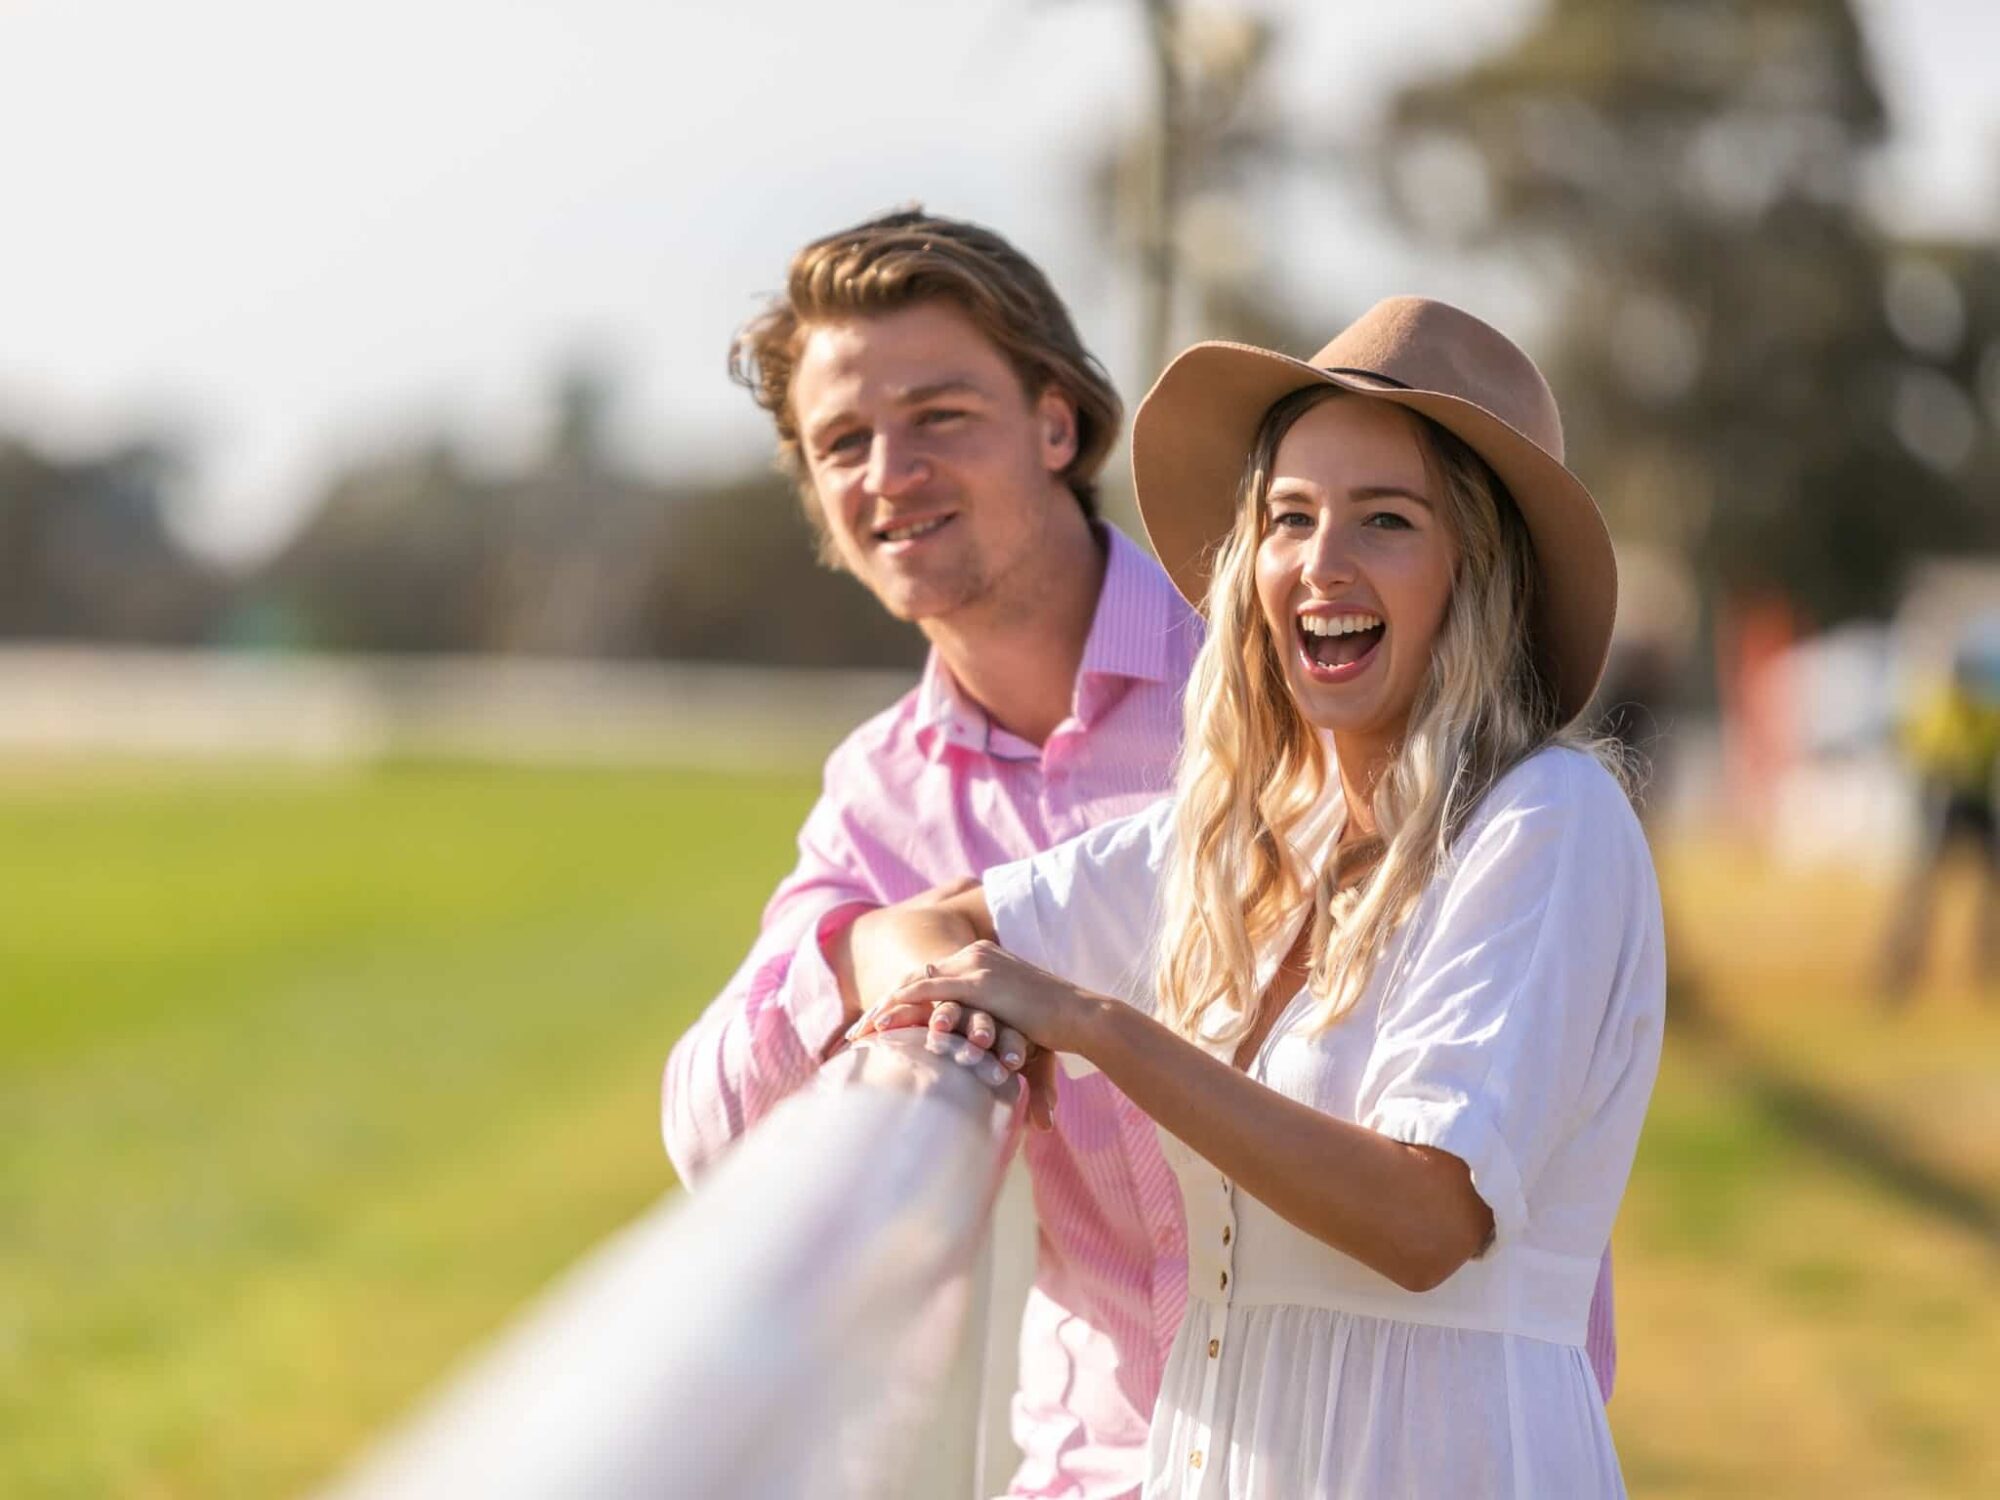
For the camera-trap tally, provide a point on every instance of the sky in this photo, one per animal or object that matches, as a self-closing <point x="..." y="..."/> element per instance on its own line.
<point x="292" y="233"/>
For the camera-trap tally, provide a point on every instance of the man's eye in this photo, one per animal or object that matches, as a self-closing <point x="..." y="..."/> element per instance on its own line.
<point x="937" y="418"/>
<point x="847" y="443"/>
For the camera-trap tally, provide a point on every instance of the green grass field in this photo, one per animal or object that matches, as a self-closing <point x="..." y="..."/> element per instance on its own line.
<point x="307" y="1079"/>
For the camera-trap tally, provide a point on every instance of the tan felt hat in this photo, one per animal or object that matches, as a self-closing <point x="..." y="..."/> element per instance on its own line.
<point x="1194" y="429"/>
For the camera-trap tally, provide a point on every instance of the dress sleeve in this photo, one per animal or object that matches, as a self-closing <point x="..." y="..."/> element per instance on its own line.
<point x="1085" y="909"/>
<point x="1529" y="1005"/>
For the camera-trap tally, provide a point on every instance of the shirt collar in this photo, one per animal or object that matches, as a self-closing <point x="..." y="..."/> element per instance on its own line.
<point x="945" y="716"/>
<point x="1130" y="638"/>
<point x="1138" y="609"/>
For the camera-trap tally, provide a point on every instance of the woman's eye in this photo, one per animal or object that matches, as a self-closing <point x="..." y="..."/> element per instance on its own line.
<point x="1290" y="520"/>
<point x="1388" y="520"/>
<point x="848" y="443"/>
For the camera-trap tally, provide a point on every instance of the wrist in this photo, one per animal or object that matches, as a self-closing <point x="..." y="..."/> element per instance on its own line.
<point x="1097" y="1020"/>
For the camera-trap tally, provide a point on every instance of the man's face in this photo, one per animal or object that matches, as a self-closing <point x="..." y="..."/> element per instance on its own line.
<point x="938" y="478"/>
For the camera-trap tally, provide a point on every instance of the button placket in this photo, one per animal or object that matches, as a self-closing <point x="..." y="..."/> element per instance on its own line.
<point x="1202" y="1450"/>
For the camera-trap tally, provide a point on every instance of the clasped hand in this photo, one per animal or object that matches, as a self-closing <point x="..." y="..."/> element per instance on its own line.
<point x="989" y="1011"/>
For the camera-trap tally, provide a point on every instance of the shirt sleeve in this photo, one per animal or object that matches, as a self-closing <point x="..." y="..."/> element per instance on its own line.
<point x="1087" y="909"/>
<point x="768" y="1031"/>
<point x="1528" y="1010"/>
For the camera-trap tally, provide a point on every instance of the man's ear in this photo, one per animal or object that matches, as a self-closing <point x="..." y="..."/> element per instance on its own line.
<point x="1057" y="415"/>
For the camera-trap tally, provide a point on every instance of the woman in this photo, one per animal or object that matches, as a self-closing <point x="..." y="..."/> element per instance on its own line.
<point x="1387" y="968"/>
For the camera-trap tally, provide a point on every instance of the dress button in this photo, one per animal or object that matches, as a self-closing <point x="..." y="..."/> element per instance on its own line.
<point x="1214" y="1347"/>
<point x="1194" y="1459"/>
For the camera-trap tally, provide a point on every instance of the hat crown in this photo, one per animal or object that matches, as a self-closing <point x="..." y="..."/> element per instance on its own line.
<point x="1433" y="346"/>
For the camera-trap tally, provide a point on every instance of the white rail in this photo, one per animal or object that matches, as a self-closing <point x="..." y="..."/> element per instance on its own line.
<point x="789" y="1332"/>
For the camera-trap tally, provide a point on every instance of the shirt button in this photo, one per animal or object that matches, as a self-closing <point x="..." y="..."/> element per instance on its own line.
<point x="1214" y="1348"/>
<point x="1225" y="1281"/>
<point x="1194" y="1459"/>
<point x="1225" y="1234"/>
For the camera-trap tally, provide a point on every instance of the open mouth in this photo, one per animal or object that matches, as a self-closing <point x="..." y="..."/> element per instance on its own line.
<point x="1334" y="648"/>
<point x="913" y="531"/>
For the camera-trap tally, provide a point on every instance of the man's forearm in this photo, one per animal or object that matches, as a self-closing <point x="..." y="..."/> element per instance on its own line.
<point x="762" y="1038"/>
<point x="878" y="950"/>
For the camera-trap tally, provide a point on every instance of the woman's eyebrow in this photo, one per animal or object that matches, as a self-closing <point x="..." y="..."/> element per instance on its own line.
<point x="1367" y="492"/>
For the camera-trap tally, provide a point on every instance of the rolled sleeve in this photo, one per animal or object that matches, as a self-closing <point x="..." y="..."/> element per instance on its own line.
<point x="1470" y="1134"/>
<point x="768" y="1031"/>
<point x="811" y="1000"/>
<point x="1497" y="1039"/>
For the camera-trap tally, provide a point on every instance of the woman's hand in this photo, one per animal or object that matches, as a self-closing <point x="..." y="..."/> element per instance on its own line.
<point x="1019" y="1012"/>
<point x="985" y="980"/>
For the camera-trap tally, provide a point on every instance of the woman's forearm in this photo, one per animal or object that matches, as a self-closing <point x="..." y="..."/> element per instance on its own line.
<point x="1408" y="1212"/>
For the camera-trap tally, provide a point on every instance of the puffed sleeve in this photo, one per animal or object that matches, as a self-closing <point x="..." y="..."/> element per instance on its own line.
<point x="1086" y="909"/>
<point x="1525" y="1018"/>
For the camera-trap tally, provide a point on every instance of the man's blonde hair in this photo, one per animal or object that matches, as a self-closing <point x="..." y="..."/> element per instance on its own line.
<point x="908" y="257"/>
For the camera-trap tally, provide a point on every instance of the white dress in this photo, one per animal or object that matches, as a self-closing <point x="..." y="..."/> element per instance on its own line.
<point x="1515" y="1022"/>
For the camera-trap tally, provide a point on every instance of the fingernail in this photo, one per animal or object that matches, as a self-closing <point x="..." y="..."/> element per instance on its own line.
<point x="1013" y="1058"/>
<point x="991" y="1072"/>
<point x="935" y="1042"/>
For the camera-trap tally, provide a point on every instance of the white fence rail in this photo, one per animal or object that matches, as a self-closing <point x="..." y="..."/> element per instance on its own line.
<point x="805" y="1327"/>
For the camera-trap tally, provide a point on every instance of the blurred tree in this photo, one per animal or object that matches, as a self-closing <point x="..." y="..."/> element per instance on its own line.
<point x="1177" y="192"/>
<point x="1751" y="373"/>
<point x="86" y="551"/>
<point x="392" y="558"/>
<point x="571" y="555"/>
<point x="744" y="583"/>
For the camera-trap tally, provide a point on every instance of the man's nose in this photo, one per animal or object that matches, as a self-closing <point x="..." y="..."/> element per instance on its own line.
<point x="895" y="464"/>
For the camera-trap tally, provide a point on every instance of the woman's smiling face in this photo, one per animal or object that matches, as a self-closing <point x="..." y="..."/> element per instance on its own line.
<point x="1354" y="568"/>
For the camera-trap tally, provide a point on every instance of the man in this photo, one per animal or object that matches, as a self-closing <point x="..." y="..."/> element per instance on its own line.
<point x="945" y="426"/>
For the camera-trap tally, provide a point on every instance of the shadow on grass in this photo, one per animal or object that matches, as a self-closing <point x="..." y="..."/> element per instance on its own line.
<point x="1835" y="1126"/>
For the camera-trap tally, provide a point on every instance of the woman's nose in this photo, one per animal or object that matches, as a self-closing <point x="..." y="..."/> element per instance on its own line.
<point x="1329" y="564"/>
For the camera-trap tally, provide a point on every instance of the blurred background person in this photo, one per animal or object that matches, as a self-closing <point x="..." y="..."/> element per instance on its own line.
<point x="1952" y="745"/>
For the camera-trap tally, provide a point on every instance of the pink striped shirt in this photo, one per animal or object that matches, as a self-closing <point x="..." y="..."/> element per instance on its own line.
<point x="928" y="791"/>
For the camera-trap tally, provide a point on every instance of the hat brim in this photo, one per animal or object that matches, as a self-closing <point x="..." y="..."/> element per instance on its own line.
<point x="1193" y="432"/>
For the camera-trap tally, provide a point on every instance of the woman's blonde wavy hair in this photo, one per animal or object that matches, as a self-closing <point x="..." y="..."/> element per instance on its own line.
<point x="1252" y="768"/>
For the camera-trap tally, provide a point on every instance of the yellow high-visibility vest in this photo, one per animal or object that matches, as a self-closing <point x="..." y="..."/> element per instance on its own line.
<point x="1954" y="737"/>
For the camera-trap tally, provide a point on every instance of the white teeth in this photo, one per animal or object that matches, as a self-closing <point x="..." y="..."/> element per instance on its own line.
<point x="1338" y="624"/>
<point x="915" y="528"/>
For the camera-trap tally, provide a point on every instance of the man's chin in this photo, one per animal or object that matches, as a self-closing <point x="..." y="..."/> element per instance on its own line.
<point x="921" y="604"/>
